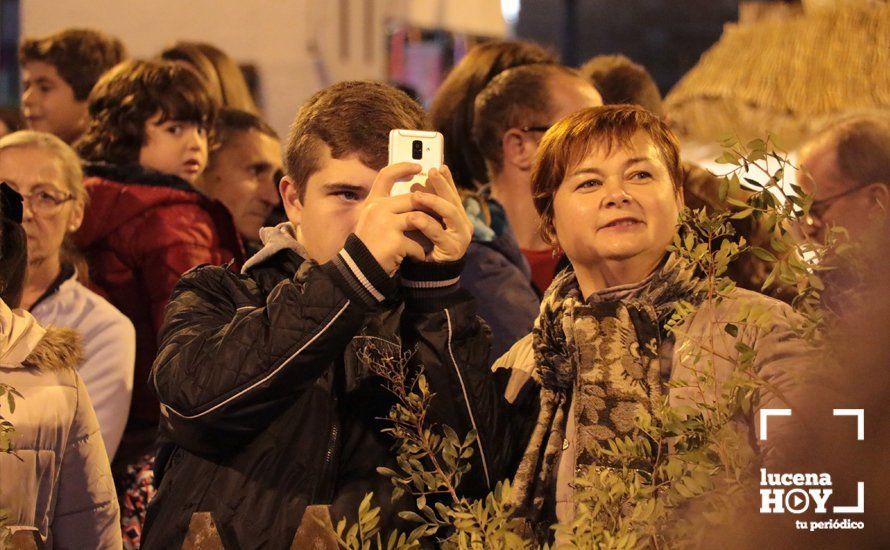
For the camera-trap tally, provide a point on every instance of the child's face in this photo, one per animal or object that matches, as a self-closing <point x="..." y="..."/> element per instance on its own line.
<point x="174" y="147"/>
<point x="48" y="102"/>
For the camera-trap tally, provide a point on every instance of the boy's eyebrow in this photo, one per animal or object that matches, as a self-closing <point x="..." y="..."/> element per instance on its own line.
<point x="342" y="186"/>
<point x="39" y="80"/>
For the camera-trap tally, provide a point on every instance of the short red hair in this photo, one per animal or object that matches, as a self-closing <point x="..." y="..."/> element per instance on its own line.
<point x="573" y="137"/>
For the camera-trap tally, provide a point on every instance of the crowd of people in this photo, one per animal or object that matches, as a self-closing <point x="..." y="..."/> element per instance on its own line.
<point x="188" y="300"/>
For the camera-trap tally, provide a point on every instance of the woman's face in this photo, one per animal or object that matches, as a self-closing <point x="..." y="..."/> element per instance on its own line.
<point x="49" y="212"/>
<point x="616" y="208"/>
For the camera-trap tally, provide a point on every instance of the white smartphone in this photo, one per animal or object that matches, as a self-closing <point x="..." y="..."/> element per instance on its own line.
<point x="424" y="148"/>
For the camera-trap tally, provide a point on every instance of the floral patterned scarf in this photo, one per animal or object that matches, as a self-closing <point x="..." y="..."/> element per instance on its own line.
<point x="603" y="353"/>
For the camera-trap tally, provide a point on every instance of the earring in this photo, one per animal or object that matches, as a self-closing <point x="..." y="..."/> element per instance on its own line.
<point x="557" y="251"/>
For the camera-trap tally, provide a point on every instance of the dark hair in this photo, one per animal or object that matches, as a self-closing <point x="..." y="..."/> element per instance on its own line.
<point x="12" y="118"/>
<point x="13" y="250"/>
<point x="451" y="111"/>
<point x="566" y="143"/>
<point x="80" y="56"/>
<point x="229" y="121"/>
<point x="130" y="94"/>
<point x="620" y="80"/>
<point x="223" y="76"/>
<point x="352" y="117"/>
<point x="516" y="97"/>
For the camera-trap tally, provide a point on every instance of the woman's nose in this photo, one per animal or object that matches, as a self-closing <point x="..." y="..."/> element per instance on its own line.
<point x="616" y="195"/>
<point x="27" y="211"/>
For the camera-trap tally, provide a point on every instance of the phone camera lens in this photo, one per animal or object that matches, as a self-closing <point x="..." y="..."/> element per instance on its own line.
<point x="416" y="149"/>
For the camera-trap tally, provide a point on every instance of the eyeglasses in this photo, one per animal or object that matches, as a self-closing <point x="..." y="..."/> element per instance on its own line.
<point x="820" y="207"/>
<point x="535" y="128"/>
<point x="43" y="202"/>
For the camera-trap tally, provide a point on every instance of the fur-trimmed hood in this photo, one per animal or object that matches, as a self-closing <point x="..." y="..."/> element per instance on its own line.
<point x="57" y="491"/>
<point x="60" y="348"/>
<point x="23" y="342"/>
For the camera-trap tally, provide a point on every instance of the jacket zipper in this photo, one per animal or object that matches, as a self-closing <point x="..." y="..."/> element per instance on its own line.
<point x="327" y="481"/>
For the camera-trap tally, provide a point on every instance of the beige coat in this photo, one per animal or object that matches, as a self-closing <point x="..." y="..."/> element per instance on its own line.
<point x="57" y="491"/>
<point x="782" y="359"/>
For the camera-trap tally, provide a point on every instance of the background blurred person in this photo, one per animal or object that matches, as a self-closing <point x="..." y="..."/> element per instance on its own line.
<point x="451" y="111"/>
<point x="11" y="120"/>
<point x="145" y="225"/>
<point x="58" y="72"/>
<point x="224" y="78"/>
<point x="846" y="168"/>
<point x="511" y="115"/>
<point x="241" y="170"/>
<point x="56" y="490"/>
<point x="620" y="80"/>
<point x="47" y="172"/>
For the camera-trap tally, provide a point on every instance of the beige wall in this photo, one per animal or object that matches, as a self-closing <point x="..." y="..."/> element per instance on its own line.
<point x="296" y="44"/>
<point x="275" y="35"/>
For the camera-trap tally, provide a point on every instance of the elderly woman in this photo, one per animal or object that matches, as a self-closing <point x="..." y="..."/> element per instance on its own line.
<point x="47" y="172"/>
<point x="607" y="187"/>
<point x="56" y="490"/>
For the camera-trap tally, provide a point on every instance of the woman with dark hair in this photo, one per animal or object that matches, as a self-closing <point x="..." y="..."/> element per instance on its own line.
<point x="496" y="272"/>
<point x="56" y="490"/>
<point x="13" y="247"/>
<point x="451" y="111"/>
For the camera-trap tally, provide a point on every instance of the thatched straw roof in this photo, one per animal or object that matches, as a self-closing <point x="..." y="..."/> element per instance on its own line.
<point x="786" y="76"/>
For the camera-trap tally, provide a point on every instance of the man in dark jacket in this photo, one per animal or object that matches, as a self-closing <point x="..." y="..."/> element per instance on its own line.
<point x="266" y="401"/>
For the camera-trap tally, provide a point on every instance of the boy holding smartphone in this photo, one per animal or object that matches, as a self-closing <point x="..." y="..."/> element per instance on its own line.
<point x="268" y="407"/>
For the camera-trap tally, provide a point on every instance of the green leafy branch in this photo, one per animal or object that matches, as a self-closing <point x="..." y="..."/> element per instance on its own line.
<point x="431" y="461"/>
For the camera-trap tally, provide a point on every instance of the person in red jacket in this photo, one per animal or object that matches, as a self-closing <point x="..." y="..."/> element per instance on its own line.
<point x="145" y="225"/>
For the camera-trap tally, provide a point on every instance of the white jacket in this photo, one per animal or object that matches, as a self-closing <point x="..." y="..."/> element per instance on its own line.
<point x="109" y="350"/>
<point x="57" y="489"/>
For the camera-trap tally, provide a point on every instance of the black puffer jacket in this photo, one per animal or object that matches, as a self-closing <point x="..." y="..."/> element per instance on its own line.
<point x="266" y="404"/>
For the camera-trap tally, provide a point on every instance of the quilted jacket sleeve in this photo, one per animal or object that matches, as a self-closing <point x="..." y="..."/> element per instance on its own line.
<point x="86" y="512"/>
<point x="230" y="358"/>
<point x="453" y="345"/>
